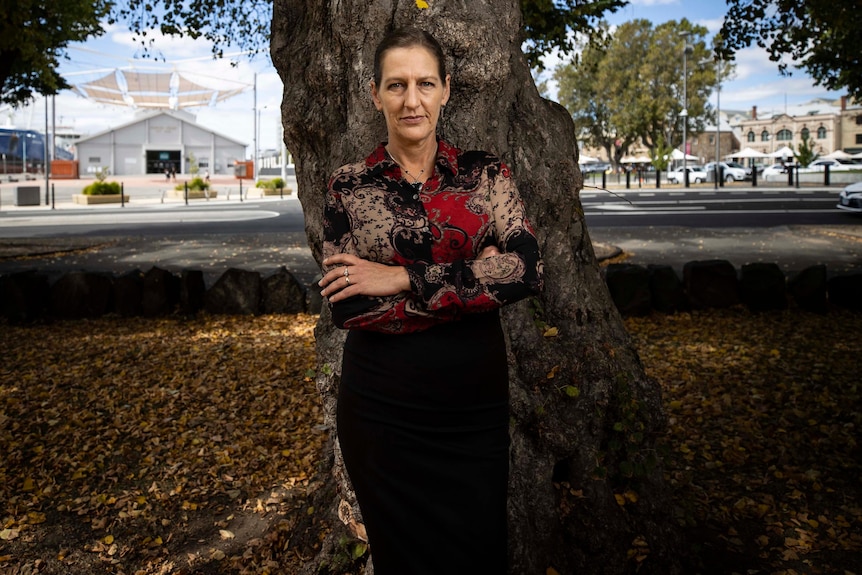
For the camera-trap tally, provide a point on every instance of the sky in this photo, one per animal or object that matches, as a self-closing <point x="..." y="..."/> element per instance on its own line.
<point x="757" y="81"/>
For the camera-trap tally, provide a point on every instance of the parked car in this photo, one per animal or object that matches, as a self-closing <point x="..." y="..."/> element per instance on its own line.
<point x="595" y="167"/>
<point x="741" y="167"/>
<point x="850" y="198"/>
<point x="729" y="173"/>
<point x="774" y="173"/>
<point x="696" y="175"/>
<point x="834" y="166"/>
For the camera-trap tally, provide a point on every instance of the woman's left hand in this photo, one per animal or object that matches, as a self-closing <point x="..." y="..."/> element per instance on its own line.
<point x="356" y="276"/>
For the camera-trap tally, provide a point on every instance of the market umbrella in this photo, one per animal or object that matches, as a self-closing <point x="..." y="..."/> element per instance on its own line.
<point x="677" y="155"/>
<point x="783" y="152"/>
<point x="746" y="153"/>
<point x="838" y="155"/>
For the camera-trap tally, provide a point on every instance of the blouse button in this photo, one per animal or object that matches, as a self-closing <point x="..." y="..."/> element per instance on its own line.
<point x="415" y="196"/>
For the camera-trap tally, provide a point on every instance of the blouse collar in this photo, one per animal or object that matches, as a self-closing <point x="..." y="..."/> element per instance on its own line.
<point x="447" y="158"/>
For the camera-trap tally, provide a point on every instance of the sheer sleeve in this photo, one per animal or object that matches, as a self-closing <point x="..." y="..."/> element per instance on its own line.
<point x="483" y="284"/>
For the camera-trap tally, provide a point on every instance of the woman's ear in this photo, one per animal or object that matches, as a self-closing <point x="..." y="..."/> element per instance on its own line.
<point x="375" y="97"/>
<point x="446" y="89"/>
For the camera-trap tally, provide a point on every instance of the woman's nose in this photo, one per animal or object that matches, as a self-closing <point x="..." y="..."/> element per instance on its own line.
<point x="412" y="97"/>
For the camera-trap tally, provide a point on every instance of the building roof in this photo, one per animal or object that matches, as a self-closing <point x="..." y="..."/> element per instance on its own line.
<point x="179" y="115"/>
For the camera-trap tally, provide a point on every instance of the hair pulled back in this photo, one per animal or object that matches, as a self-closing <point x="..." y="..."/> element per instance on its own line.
<point x="408" y="37"/>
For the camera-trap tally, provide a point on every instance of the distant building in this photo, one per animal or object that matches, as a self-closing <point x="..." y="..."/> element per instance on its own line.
<point x="851" y="127"/>
<point x="702" y="144"/>
<point x="159" y="141"/>
<point x="826" y="126"/>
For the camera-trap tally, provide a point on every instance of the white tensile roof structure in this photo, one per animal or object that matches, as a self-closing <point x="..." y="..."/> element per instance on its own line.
<point x="153" y="90"/>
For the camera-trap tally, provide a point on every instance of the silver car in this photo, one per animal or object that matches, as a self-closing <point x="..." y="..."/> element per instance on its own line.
<point x="850" y="198"/>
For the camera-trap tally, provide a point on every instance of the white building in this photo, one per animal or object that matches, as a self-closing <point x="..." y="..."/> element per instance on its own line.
<point x="156" y="141"/>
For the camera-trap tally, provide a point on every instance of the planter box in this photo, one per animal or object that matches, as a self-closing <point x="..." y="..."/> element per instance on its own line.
<point x="104" y="199"/>
<point x="193" y="194"/>
<point x="271" y="192"/>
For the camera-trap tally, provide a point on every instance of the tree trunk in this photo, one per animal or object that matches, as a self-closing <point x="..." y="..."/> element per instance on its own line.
<point x="586" y="489"/>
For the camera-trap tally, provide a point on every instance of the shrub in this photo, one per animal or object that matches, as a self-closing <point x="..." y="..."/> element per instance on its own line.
<point x="101" y="188"/>
<point x="274" y="184"/>
<point x="195" y="184"/>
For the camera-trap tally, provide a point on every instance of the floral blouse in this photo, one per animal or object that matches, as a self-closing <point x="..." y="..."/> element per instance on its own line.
<point x="435" y="231"/>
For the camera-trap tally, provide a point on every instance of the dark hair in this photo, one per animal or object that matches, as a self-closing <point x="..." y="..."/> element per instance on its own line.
<point x="408" y="37"/>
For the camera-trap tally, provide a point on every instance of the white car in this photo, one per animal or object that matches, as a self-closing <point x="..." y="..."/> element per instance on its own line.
<point x="834" y="166"/>
<point x="729" y="173"/>
<point x="696" y="175"/>
<point x="850" y="198"/>
<point x="774" y="173"/>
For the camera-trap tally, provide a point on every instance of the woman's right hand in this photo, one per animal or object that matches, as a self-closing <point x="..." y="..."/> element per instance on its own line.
<point x="353" y="275"/>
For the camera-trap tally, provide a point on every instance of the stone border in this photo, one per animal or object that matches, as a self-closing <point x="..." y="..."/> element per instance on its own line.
<point x="634" y="289"/>
<point x="30" y="295"/>
<point x="640" y="290"/>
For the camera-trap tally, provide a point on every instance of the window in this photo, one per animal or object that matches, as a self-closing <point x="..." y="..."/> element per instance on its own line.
<point x="805" y="134"/>
<point x="751" y="135"/>
<point x="859" y="120"/>
<point x="784" y="135"/>
<point x="764" y="136"/>
<point x="712" y="139"/>
<point x="821" y="133"/>
<point x="95" y="159"/>
<point x="859" y="138"/>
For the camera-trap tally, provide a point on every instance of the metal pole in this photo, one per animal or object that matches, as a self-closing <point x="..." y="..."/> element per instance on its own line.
<point x="254" y="157"/>
<point x="717" y="118"/>
<point x="45" y="156"/>
<point x="684" y="114"/>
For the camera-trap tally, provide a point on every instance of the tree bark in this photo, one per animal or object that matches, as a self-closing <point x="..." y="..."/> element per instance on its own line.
<point x="586" y="487"/>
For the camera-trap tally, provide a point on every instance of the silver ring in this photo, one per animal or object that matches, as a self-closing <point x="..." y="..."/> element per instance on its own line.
<point x="347" y="279"/>
<point x="346" y="271"/>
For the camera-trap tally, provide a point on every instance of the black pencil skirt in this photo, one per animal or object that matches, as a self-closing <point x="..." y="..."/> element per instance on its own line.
<point x="423" y="427"/>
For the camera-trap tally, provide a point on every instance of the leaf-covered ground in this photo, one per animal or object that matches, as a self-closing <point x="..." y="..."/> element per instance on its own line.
<point x="143" y="446"/>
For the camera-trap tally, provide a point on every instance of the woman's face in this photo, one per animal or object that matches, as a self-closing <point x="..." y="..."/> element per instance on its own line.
<point x="410" y="94"/>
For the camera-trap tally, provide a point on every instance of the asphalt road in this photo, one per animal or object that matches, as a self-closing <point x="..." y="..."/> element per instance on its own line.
<point x="794" y="228"/>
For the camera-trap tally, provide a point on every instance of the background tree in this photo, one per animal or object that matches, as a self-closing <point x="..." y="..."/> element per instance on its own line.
<point x="35" y="33"/>
<point x="632" y="88"/>
<point x="33" y="37"/>
<point x="555" y="25"/>
<point x="586" y="488"/>
<point x="821" y="36"/>
<point x="581" y="90"/>
<point x="805" y="153"/>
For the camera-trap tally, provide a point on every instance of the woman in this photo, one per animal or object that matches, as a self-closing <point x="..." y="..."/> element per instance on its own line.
<point x="423" y="243"/>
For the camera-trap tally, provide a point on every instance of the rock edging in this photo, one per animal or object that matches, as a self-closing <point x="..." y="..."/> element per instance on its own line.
<point x="639" y="290"/>
<point x="29" y="295"/>
<point x="634" y="289"/>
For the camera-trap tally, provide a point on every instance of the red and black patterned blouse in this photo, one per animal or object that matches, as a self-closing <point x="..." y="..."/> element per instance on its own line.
<point x="435" y="232"/>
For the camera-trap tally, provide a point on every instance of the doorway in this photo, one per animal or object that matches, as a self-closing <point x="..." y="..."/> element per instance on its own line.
<point x="160" y="160"/>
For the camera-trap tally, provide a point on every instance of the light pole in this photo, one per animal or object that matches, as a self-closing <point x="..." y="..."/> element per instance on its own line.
<point x="717" y="119"/>
<point x="717" y="115"/>
<point x="687" y="49"/>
